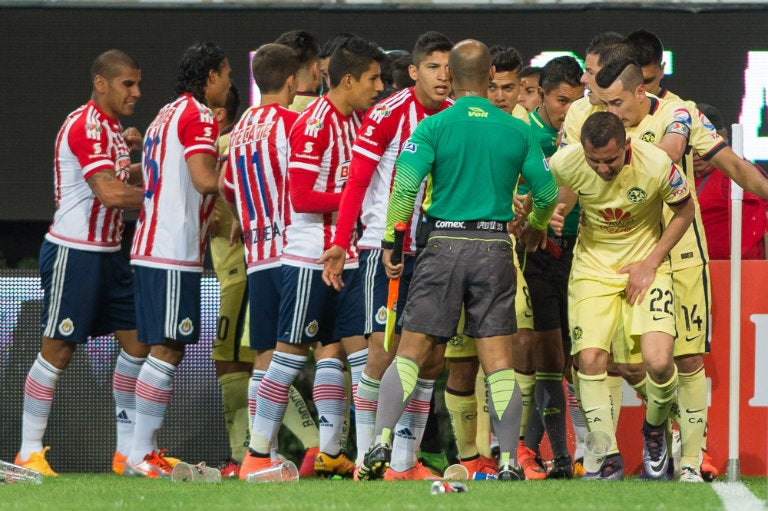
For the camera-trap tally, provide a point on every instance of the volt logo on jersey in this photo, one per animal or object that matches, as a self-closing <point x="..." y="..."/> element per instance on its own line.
<point x="476" y="111"/>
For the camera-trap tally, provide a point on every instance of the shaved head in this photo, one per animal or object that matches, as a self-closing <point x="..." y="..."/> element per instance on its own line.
<point x="470" y="65"/>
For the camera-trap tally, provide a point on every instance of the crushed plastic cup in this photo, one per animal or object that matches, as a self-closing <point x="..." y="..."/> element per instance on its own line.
<point x="200" y="473"/>
<point x="596" y="446"/>
<point x="457" y="472"/>
<point x="285" y="472"/>
<point x="439" y="487"/>
<point x="10" y="474"/>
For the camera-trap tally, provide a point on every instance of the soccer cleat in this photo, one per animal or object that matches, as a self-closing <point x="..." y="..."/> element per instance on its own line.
<point x="708" y="469"/>
<point x="118" y="463"/>
<point x="689" y="474"/>
<point x="253" y="463"/>
<point x="511" y="473"/>
<point x="37" y="461"/>
<point x="531" y="467"/>
<point x="655" y="457"/>
<point x="171" y="461"/>
<point x="578" y="468"/>
<point x="229" y="468"/>
<point x="153" y="466"/>
<point x="436" y="462"/>
<point x="416" y="473"/>
<point x="329" y="466"/>
<point x="562" y="468"/>
<point x="375" y="462"/>
<point x="480" y="463"/>
<point x="307" y="468"/>
<point x="612" y="469"/>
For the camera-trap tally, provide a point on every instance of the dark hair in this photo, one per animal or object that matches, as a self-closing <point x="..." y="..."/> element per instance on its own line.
<point x="232" y="104"/>
<point x="196" y="62"/>
<point x="505" y="58"/>
<point x="610" y="46"/>
<point x="530" y="71"/>
<point x="108" y="64"/>
<point x="648" y="47"/>
<point x="627" y="70"/>
<point x="272" y="65"/>
<point x="332" y="44"/>
<point x="354" y="58"/>
<point x="401" y="76"/>
<point x="602" y="127"/>
<point x="303" y="42"/>
<point x="428" y="43"/>
<point x="714" y="116"/>
<point x="560" y="70"/>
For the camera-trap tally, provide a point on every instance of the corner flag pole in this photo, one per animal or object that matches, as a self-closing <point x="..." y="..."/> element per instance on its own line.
<point x="737" y="199"/>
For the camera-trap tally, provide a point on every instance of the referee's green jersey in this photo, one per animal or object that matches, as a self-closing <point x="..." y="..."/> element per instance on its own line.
<point x="474" y="153"/>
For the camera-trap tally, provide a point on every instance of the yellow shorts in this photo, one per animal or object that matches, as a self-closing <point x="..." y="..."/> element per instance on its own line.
<point x="693" y="298"/>
<point x="600" y="317"/>
<point x="229" y="264"/>
<point x="461" y="345"/>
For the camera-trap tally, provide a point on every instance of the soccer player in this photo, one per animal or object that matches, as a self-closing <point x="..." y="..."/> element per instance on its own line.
<point x="180" y="167"/>
<point x="231" y="361"/>
<point x="623" y="93"/>
<point x="621" y="266"/>
<point x="529" y="96"/>
<point x="87" y="283"/>
<point x="309" y="78"/>
<point x="546" y="272"/>
<point x="381" y="136"/>
<point x="504" y="88"/>
<point x="468" y="147"/>
<point x="321" y="148"/>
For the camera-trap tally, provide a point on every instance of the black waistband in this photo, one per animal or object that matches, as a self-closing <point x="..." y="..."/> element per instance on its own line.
<point x="564" y="241"/>
<point x="468" y="225"/>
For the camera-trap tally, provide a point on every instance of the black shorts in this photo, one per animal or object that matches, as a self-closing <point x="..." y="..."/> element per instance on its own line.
<point x="547" y="279"/>
<point x="470" y="268"/>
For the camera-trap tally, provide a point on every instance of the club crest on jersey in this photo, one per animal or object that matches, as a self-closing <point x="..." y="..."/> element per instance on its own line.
<point x="381" y="315"/>
<point x="577" y="333"/>
<point x="312" y="328"/>
<point x="636" y="195"/>
<point x="456" y="342"/>
<point x="409" y="147"/>
<point x="66" y="327"/>
<point x="186" y="326"/>
<point x="648" y="136"/>
<point x="382" y="111"/>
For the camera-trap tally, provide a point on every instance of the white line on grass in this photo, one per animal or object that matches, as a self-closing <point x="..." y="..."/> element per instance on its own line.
<point x="736" y="497"/>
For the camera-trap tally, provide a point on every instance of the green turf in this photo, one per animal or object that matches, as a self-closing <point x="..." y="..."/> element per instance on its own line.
<point x="110" y="492"/>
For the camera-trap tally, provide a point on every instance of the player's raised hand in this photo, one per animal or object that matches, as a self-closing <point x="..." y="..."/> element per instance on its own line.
<point x="533" y="239"/>
<point x="133" y="138"/>
<point x="557" y="222"/>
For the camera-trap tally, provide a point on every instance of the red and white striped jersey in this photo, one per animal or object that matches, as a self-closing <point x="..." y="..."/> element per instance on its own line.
<point x="385" y="128"/>
<point x="174" y="218"/>
<point x="89" y="141"/>
<point x="321" y="143"/>
<point x="257" y="175"/>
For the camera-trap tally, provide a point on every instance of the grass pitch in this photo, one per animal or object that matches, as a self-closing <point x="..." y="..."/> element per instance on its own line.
<point x="110" y="492"/>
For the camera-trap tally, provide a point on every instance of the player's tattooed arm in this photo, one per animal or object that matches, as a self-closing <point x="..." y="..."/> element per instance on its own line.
<point x="113" y="193"/>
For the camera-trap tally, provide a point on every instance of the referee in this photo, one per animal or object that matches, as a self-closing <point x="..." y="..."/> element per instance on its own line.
<point x="473" y="154"/>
